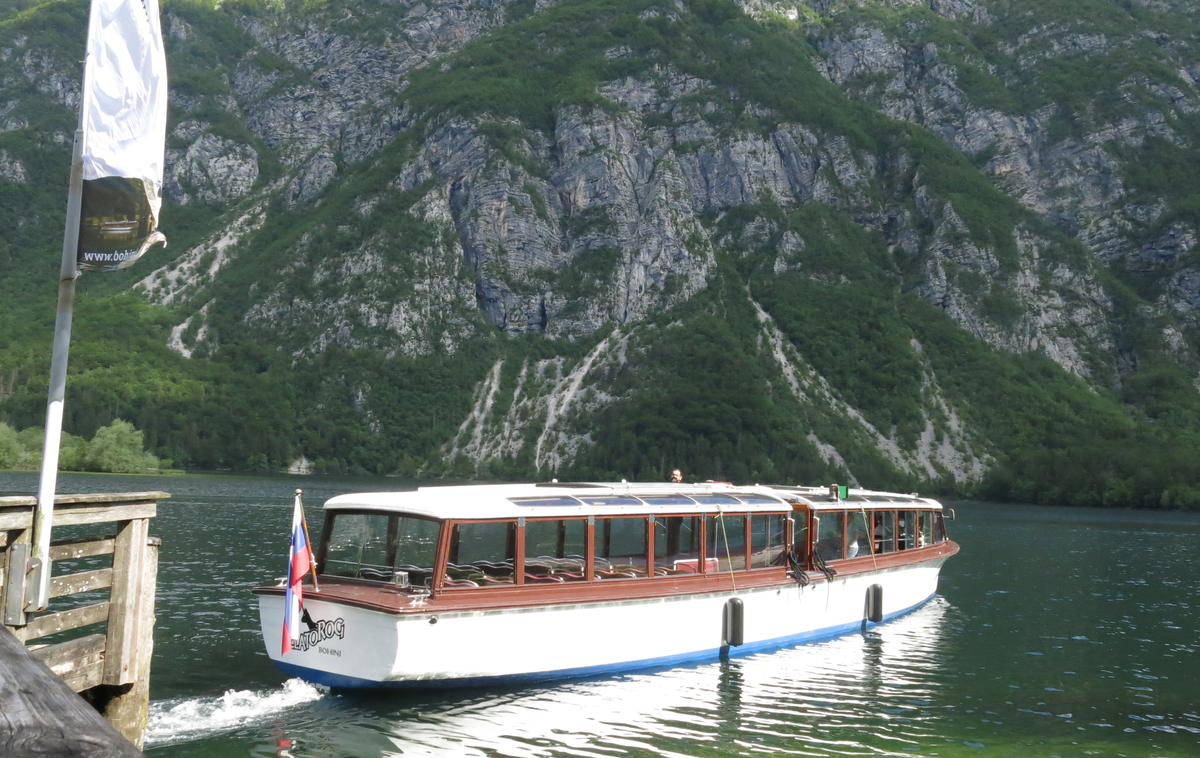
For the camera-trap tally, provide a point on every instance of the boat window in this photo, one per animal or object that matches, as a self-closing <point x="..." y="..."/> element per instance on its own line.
<point x="481" y="554"/>
<point x="800" y="536"/>
<point x="555" y="551"/>
<point x="377" y="545"/>
<point x="621" y="548"/>
<point x="939" y="527"/>
<point x="560" y="500"/>
<point x="830" y="533"/>
<point x="885" y="531"/>
<point x="727" y="541"/>
<point x="906" y="532"/>
<point x="758" y="499"/>
<point x="715" y="500"/>
<point x="358" y="547"/>
<point x="926" y="528"/>
<point x="677" y="545"/>
<point x="657" y="500"/>
<point x="858" y="543"/>
<point x="416" y="548"/>
<point x="621" y="500"/>
<point x="768" y="540"/>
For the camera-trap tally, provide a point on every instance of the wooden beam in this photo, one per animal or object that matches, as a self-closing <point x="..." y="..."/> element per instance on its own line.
<point x="17" y="512"/>
<point x="54" y="656"/>
<point x="43" y="717"/>
<point x="100" y="514"/>
<point x="102" y="497"/>
<point x="85" y="677"/>
<point x="129" y="711"/>
<point x="84" y="581"/>
<point x="87" y="547"/>
<point x="69" y="659"/>
<point x="52" y="623"/>
<point x="111" y="497"/>
<point x="16" y="518"/>
<point x="120" y="662"/>
<point x="12" y="599"/>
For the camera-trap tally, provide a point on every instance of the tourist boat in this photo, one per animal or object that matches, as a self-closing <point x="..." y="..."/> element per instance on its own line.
<point x="476" y="585"/>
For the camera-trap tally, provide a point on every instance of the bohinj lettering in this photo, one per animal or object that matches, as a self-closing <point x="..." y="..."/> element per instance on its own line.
<point x="323" y="630"/>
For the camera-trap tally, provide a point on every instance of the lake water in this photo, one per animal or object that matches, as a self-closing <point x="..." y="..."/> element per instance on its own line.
<point x="1056" y="632"/>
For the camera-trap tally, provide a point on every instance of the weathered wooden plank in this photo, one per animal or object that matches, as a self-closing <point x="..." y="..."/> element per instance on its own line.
<point x="66" y="657"/>
<point x="100" y="514"/>
<point x="13" y="598"/>
<point x="92" y="497"/>
<point x="16" y="518"/>
<point x="120" y="662"/>
<point x="87" y="676"/>
<point x="12" y="590"/>
<point x="84" y="581"/>
<point x="52" y="623"/>
<point x="43" y="717"/>
<point x="85" y="547"/>
<point x="129" y="712"/>
<point x="111" y="497"/>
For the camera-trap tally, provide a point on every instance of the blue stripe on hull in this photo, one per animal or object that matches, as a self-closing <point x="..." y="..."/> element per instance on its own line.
<point x="350" y="682"/>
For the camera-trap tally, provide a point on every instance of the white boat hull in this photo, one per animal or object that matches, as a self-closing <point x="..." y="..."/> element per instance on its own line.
<point x="357" y="647"/>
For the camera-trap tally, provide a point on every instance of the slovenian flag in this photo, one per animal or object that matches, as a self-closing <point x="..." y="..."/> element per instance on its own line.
<point x="299" y="563"/>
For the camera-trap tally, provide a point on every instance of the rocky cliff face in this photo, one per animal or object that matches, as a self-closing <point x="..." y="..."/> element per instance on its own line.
<point x="607" y="218"/>
<point x="1056" y="113"/>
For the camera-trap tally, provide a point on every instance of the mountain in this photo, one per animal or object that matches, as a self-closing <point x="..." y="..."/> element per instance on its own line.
<point x="942" y="246"/>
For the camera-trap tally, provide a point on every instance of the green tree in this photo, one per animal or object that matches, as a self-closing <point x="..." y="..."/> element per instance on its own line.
<point x="71" y="452"/>
<point x="119" y="448"/>
<point x="10" y="446"/>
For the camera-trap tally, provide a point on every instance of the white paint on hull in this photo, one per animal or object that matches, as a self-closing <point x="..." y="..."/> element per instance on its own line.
<point x="571" y="640"/>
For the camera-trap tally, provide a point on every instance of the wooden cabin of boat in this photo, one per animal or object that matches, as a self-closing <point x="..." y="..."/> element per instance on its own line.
<point x="467" y="544"/>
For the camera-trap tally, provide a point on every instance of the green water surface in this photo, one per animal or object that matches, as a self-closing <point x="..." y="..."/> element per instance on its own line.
<point x="1056" y="632"/>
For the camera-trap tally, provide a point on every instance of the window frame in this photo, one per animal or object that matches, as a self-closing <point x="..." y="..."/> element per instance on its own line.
<point x="523" y="524"/>
<point x="447" y="538"/>
<point x="322" y="552"/>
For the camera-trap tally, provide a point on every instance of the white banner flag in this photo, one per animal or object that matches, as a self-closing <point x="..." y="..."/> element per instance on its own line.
<point x="124" y="121"/>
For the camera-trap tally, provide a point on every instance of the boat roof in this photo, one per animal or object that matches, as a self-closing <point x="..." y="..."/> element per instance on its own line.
<point x="566" y="499"/>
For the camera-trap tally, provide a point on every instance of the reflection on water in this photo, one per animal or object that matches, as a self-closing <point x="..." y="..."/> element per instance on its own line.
<point x="867" y="694"/>
<point x="1056" y="632"/>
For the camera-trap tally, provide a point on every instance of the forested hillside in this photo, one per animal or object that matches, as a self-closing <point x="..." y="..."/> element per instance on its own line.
<point x="934" y="246"/>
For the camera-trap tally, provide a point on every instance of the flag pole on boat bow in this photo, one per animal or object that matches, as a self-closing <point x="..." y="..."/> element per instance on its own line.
<point x="113" y="204"/>
<point x="312" y="559"/>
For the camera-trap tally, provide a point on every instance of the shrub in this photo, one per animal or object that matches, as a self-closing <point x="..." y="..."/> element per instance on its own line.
<point x="10" y="446"/>
<point x="119" y="448"/>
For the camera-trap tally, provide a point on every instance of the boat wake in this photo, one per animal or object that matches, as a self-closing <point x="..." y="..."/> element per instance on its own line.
<point x="187" y="719"/>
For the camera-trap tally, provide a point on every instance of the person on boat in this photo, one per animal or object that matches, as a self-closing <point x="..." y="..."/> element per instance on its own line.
<point x="858" y="545"/>
<point x="676" y="476"/>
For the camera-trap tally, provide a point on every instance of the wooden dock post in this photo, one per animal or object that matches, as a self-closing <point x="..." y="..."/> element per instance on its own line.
<point x="110" y="668"/>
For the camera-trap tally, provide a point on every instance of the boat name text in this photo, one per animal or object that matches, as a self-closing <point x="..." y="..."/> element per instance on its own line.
<point x="321" y="631"/>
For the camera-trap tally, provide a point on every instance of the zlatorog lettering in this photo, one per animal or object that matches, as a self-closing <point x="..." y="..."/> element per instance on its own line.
<point x="325" y="630"/>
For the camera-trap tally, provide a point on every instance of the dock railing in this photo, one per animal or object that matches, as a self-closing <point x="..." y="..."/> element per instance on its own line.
<point x="108" y="665"/>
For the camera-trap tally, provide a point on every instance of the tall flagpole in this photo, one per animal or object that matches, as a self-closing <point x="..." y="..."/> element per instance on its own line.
<point x="38" y="590"/>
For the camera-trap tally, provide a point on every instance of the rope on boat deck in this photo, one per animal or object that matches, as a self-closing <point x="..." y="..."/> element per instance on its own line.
<point x="728" y="557"/>
<point x="871" y="535"/>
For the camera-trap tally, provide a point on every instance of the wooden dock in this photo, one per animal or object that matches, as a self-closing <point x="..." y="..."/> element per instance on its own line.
<point x="96" y="637"/>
